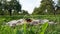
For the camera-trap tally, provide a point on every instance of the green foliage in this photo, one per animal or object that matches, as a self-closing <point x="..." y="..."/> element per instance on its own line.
<point x="46" y="8"/>
<point x="24" y="12"/>
<point x="58" y="7"/>
<point x="30" y="29"/>
<point x="58" y="3"/>
<point x="8" y="6"/>
<point x="27" y="29"/>
<point x="36" y="10"/>
<point x="44" y="27"/>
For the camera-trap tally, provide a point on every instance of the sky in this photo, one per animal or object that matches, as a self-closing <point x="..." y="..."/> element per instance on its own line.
<point x="29" y="5"/>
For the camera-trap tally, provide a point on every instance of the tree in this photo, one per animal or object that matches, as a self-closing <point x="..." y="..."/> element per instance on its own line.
<point x="58" y="7"/>
<point x="24" y="12"/>
<point x="36" y="10"/>
<point x="10" y="5"/>
<point x="13" y="5"/>
<point x="2" y="7"/>
<point x="46" y="7"/>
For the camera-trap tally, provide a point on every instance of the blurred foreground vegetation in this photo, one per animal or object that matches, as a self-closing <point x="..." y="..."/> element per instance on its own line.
<point x="30" y="29"/>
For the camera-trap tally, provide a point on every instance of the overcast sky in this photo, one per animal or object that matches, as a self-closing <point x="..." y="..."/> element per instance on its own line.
<point x="29" y="5"/>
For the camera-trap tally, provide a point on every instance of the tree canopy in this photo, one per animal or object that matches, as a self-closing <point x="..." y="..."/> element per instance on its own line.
<point x="10" y="6"/>
<point x="46" y="7"/>
<point x="58" y="7"/>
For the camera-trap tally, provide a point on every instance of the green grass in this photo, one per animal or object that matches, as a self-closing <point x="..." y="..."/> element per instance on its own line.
<point x="30" y="29"/>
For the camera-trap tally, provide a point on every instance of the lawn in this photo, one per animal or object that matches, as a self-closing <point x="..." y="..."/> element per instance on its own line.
<point x="30" y="29"/>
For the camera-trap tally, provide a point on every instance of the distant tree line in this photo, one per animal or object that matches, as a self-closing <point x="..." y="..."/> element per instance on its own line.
<point x="12" y="7"/>
<point x="47" y="7"/>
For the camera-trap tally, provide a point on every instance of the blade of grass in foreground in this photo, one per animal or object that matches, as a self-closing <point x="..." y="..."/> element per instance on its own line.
<point x="44" y="27"/>
<point x="24" y="28"/>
